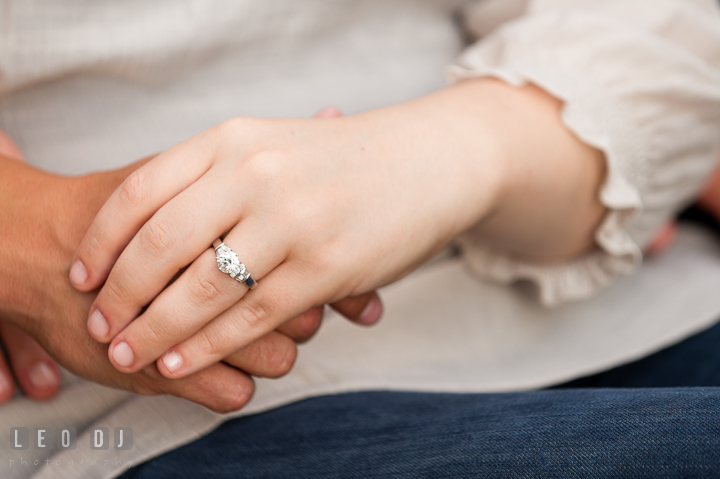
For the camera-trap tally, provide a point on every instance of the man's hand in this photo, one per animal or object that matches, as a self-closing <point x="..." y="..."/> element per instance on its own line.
<point x="45" y="217"/>
<point x="34" y="370"/>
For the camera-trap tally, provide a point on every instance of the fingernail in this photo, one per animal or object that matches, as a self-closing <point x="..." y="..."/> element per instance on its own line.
<point x="172" y="361"/>
<point x="97" y="325"/>
<point x="78" y="273"/>
<point x="371" y="313"/>
<point x="42" y="376"/>
<point x="123" y="355"/>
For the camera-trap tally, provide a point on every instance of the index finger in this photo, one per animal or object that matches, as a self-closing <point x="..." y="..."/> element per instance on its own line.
<point x="132" y="204"/>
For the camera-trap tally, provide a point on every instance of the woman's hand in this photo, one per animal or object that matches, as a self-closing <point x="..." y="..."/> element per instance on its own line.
<point x="322" y="210"/>
<point x="44" y="218"/>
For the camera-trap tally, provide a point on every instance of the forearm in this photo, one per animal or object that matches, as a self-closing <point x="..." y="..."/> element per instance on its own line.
<point x="548" y="207"/>
<point x="529" y="186"/>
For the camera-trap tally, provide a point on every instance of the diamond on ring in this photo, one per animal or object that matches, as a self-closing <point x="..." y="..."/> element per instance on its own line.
<point x="228" y="262"/>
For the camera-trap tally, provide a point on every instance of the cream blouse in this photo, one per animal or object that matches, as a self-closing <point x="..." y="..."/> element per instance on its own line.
<point x="641" y="82"/>
<point x="95" y="85"/>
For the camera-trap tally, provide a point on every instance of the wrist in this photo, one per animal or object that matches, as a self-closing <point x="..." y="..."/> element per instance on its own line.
<point x="452" y="138"/>
<point x="28" y="224"/>
<point x="544" y="204"/>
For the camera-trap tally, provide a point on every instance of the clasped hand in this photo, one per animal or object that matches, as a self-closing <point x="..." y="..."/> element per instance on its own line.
<point x="324" y="210"/>
<point x="318" y="210"/>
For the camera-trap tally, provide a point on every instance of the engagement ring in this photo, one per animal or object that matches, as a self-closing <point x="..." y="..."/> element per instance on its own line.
<point x="228" y="262"/>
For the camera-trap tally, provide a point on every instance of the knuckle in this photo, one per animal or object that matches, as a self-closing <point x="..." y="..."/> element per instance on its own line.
<point x="312" y="324"/>
<point x="308" y="323"/>
<point x="281" y="361"/>
<point x="132" y="190"/>
<point x="255" y="314"/>
<point x="265" y="167"/>
<point x="235" y="398"/>
<point x="113" y="293"/>
<point x="272" y="356"/>
<point x="203" y="290"/>
<point x="210" y="345"/>
<point x="354" y="305"/>
<point x="156" y="238"/>
<point x="228" y="132"/>
<point x="323" y="260"/>
<point x="231" y="126"/>
<point x="155" y="337"/>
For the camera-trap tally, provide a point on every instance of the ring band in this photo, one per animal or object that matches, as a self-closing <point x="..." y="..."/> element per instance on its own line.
<point x="228" y="262"/>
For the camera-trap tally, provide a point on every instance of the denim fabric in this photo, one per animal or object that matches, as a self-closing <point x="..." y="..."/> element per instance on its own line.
<point x="669" y="430"/>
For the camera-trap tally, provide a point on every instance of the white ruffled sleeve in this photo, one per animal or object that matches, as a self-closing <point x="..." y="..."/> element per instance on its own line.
<point x="640" y="80"/>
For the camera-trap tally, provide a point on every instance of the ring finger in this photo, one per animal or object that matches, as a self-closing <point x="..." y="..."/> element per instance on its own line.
<point x="169" y="241"/>
<point x="199" y="295"/>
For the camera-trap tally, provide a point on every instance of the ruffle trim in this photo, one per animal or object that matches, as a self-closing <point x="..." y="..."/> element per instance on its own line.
<point x="617" y="252"/>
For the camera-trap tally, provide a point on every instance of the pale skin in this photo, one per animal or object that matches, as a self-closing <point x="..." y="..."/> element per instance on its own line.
<point x="324" y="210"/>
<point x="51" y="214"/>
<point x="43" y="219"/>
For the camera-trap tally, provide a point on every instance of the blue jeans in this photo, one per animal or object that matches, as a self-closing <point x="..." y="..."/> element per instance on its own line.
<point x="657" y="417"/>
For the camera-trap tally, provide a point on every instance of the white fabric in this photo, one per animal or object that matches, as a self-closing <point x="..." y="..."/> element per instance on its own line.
<point x="90" y="84"/>
<point x="640" y="81"/>
<point x="443" y="331"/>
